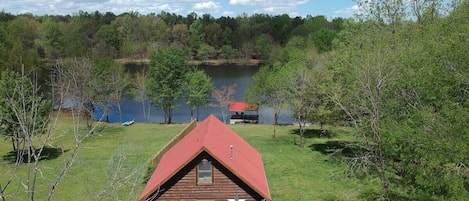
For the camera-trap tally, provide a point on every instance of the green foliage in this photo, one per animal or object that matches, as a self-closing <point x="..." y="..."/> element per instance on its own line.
<point x="196" y="35"/>
<point x="9" y="126"/>
<point x="24" y="111"/>
<point x="179" y="36"/>
<point x="5" y="43"/>
<point x="109" y="81"/>
<point x="228" y="52"/>
<point x="322" y="39"/>
<point x="166" y="77"/>
<point x="198" y="90"/>
<point x="263" y="46"/>
<point x="213" y="35"/>
<point x="19" y="47"/>
<point x="133" y="35"/>
<point x="51" y="38"/>
<point x="268" y="88"/>
<point x="404" y="83"/>
<point x="110" y="40"/>
<point x="206" y="52"/>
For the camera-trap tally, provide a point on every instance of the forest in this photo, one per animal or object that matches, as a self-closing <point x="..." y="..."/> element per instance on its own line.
<point x="133" y="36"/>
<point x="397" y="73"/>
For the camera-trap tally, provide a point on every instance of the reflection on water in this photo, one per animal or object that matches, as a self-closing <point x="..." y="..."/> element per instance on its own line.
<point x="221" y="75"/>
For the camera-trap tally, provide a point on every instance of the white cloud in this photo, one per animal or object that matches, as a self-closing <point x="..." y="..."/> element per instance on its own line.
<point x="272" y="9"/>
<point x="293" y="14"/>
<point x="214" y="7"/>
<point x="229" y="13"/>
<point x="348" y="11"/>
<point x="210" y="5"/>
<point x="241" y="2"/>
<point x="271" y="6"/>
<point x="302" y="2"/>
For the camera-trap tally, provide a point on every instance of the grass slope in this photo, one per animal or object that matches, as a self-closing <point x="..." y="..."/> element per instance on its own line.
<point x="116" y="152"/>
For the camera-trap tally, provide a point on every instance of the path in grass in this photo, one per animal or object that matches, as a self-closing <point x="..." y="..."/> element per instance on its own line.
<point x="293" y="173"/>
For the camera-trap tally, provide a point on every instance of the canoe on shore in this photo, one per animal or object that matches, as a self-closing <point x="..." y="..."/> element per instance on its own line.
<point x="128" y="123"/>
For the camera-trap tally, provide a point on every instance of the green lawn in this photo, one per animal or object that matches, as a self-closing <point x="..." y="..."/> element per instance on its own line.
<point x="293" y="173"/>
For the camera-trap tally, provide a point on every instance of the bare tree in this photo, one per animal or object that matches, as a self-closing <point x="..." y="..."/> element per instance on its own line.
<point x="121" y="174"/>
<point x="422" y="9"/>
<point x="141" y="91"/>
<point x="362" y="98"/>
<point x="122" y="81"/>
<point x="27" y="103"/>
<point x="30" y="117"/>
<point x="67" y="81"/>
<point x="77" y="74"/>
<point x="109" y="81"/>
<point x="223" y="98"/>
<point x="299" y="80"/>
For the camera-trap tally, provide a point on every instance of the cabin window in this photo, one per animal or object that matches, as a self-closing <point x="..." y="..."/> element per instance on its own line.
<point x="204" y="172"/>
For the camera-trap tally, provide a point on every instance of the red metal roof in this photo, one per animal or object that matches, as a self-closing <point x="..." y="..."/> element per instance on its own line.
<point x="215" y="138"/>
<point x="243" y="106"/>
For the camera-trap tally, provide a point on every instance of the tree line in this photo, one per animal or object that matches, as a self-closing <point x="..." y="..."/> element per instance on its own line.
<point x="134" y="36"/>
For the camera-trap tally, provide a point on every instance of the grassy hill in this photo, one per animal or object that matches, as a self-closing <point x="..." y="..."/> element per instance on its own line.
<point x="112" y="163"/>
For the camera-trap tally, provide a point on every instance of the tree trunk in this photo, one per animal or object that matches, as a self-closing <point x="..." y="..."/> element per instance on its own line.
<point x="323" y="131"/>
<point x="120" y="111"/>
<point x="89" y="124"/>
<point x="168" y="115"/>
<point x="192" y="114"/>
<point x="275" y="122"/>
<point x="16" y="148"/>
<point x="13" y="142"/>
<point x="149" y="112"/>
<point x="302" y="132"/>
<point x="143" y="110"/>
<point x="2" y="197"/>
<point x="276" y="117"/>
<point x="165" y="115"/>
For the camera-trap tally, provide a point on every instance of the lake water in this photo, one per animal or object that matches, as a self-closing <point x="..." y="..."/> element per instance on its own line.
<point x="221" y="75"/>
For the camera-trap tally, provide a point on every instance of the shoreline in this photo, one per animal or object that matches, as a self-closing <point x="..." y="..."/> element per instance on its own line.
<point x="209" y="62"/>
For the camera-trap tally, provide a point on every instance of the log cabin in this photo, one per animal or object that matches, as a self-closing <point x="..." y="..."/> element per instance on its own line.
<point x="208" y="162"/>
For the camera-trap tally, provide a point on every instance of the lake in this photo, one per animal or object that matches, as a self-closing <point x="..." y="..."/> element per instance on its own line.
<point x="221" y="75"/>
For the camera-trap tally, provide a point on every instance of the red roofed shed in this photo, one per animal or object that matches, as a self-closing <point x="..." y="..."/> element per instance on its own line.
<point x="211" y="162"/>
<point x="243" y="106"/>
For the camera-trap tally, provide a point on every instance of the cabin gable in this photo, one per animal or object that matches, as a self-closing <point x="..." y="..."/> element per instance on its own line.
<point x="233" y="169"/>
<point x="224" y="185"/>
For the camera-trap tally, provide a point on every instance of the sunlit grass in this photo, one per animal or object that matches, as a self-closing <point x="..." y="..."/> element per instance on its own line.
<point x="293" y="173"/>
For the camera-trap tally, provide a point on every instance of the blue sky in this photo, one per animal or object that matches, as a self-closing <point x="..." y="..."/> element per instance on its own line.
<point x="216" y="8"/>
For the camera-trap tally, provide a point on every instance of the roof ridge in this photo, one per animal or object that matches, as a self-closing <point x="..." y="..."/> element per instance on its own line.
<point x="157" y="157"/>
<point x="206" y="131"/>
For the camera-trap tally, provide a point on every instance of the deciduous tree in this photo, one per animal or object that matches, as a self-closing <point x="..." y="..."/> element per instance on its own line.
<point x="109" y="80"/>
<point x="51" y="39"/>
<point x="140" y="92"/>
<point x="269" y="89"/>
<point x="76" y="75"/>
<point x="401" y="87"/>
<point x="17" y="94"/>
<point x="198" y="90"/>
<point x="24" y="118"/>
<point x="166" y="74"/>
<point x="223" y="97"/>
